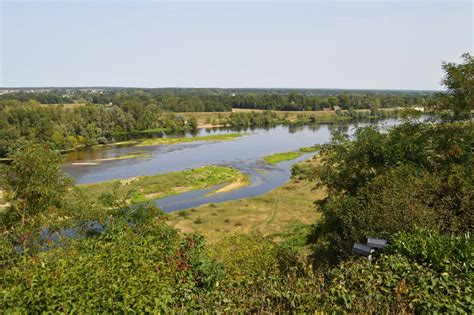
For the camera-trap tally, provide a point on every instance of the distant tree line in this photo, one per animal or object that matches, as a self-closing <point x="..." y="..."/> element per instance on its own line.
<point x="68" y="128"/>
<point x="206" y="100"/>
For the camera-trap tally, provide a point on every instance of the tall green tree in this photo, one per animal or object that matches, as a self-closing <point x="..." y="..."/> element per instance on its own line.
<point x="457" y="102"/>
<point x="33" y="184"/>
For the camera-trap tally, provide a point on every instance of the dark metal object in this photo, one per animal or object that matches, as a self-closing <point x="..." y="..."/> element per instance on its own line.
<point x="376" y="242"/>
<point x="362" y="249"/>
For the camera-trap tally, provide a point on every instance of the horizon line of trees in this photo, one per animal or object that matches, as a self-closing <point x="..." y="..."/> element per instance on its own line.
<point x="206" y="101"/>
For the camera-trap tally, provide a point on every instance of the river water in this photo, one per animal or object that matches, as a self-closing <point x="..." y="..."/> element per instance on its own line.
<point x="243" y="153"/>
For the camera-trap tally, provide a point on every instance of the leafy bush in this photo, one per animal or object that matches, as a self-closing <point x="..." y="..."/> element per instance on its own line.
<point x="382" y="183"/>
<point x="394" y="284"/>
<point x="137" y="264"/>
<point x="33" y="184"/>
<point x="262" y="276"/>
<point x="445" y="254"/>
<point x="303" y="170"/>
<point x="424" y="272"/>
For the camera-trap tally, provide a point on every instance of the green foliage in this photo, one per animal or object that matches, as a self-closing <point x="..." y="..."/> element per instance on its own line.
<point x="424" y="273"/>
<point x="394" y="284"/>
<point x="66" y="128"/>
<point x="314" y="148"/>
<point x="281" y="157"/>
<point x="444" y="254"/>
<point x="254" y="119"/>
<point x="141" y="267"/>
<point x="261" y="276"/>
<point x="33" y="184"/>
<point x="305" y="170"/>
<point x="458" y="102"/>
<point x="382" y="183"/>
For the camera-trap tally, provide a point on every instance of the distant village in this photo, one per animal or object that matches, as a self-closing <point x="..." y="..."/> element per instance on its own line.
<point x="67" y="91"/>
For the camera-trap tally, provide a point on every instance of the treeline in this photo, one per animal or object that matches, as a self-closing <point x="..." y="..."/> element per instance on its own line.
<point x="197" y="100"/>
<point x="300" y="102"/>
<point x="269" y="118"/>
<point x="68" y="128"/>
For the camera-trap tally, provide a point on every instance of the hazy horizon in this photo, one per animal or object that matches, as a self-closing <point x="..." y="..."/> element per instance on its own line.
<point x="348" y="45"/>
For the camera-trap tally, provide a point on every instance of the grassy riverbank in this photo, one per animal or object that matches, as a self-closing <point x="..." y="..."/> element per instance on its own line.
<point x="281" y="157"/>
<point x="133" y="155"/>
<point x="287" y="156"/>
<point x="158" y="186"/>
<point x="170" y="140"/>
<point x="284" y="214"/>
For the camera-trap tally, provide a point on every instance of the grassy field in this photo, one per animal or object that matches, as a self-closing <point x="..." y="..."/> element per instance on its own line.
<point x="284" y="214"/>
<point x="163" y="185"/>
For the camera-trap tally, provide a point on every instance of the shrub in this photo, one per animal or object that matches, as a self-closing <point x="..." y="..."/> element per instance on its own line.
<point x="382" y="183"/>
<point x="423" y="272"/>
<point x="33" y="184"/>
<point x="262" y="276"/>
<point x="137" y="264"/>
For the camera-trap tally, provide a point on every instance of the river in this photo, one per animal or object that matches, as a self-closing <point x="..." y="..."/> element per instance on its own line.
<point x="244" y="153"/>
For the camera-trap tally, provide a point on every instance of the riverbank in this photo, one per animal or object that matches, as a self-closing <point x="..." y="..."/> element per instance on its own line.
<point x="284" y="214"/>
<point x="143" y="188"/>
<point x="288" y="156"/>
<point x="172" y="140"/>
<point x="134" y="155"/>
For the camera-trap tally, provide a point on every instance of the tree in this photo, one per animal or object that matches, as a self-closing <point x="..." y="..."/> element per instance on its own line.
<point x="34" y="183"/>
<point x="192" y="123"/>
<point x="457" y="102"/>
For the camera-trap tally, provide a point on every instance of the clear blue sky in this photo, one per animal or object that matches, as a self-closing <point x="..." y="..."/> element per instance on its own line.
<point x="309" y="44"/>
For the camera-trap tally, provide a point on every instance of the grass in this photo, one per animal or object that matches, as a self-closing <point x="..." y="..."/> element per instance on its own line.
<point x="314" y="148"/>
<point x="284" y="215"/>
<point x="158" y="141"/>
<point x="125" y="157"/>
<point x="158" y="186"/>
<point x="281" y="157"/>
<point x="161" y="141"/>
<point x="331" y="118"/>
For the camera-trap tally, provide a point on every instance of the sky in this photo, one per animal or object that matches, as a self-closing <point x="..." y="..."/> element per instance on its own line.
<point x="259" y="44"/>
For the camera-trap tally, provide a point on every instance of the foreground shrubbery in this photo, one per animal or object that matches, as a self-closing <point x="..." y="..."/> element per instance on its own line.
<point x="381" y="183"/>
<point x="421" y="272"/>
<point x="135" y="264"/>
<point x="148" y="266"/>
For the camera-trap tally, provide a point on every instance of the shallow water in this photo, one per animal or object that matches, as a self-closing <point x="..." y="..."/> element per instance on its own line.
<point x="243" y="153"/>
